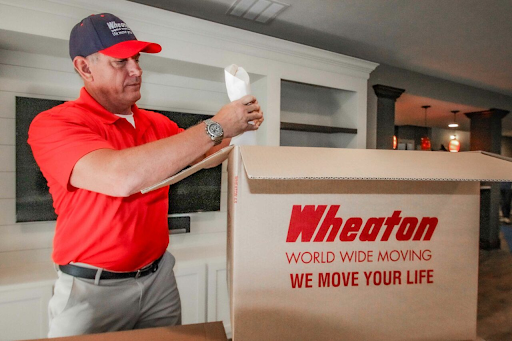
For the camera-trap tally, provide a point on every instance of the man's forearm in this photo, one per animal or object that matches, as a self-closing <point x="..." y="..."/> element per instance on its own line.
<point x="127" y="171"/>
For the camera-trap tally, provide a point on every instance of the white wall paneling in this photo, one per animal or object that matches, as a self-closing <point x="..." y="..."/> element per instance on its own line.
<point x="8" y="188"/>
<point x="7" y="211"/>
<point x="7" y="131"/>
<point x="26" y="236"/>
<point x="7" y="158"/>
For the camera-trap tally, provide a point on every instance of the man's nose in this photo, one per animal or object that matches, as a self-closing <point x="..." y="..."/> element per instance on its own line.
<point x="134" y="68"/>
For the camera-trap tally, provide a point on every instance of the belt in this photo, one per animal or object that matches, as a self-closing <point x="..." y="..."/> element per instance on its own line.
<point x="88" y="273"/>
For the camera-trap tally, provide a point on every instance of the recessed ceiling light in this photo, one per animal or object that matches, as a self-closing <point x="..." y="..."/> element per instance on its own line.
<point x="240" y="7"/>
<point x="256" y="9"/>
<point x="262" y="11"/>
<point x="271" y="12"/>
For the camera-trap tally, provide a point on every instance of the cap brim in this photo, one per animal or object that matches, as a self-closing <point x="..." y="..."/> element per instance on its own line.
<point x="130" y="48"/>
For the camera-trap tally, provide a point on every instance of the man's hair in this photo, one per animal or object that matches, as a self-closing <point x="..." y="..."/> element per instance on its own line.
<point x="92" y="58"/>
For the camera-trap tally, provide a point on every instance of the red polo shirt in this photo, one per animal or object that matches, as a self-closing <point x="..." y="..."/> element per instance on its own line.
<point x="118" y="234"/>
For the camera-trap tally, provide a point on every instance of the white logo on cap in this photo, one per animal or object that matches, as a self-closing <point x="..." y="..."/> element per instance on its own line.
<point x="118" y="28"/>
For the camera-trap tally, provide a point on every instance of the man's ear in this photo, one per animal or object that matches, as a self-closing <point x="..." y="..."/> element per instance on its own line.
<point x="82" y="67"/>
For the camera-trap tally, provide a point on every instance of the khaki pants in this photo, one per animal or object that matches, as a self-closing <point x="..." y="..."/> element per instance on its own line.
<point x="79" y="306"/>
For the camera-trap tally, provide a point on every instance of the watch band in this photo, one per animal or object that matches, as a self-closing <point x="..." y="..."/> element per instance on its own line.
<point x="214" y="130"/>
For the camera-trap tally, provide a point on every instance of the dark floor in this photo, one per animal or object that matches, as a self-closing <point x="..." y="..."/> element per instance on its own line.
<point x="495" y="292"/>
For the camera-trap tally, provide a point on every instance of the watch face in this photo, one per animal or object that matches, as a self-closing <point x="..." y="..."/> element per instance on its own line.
<point x="215" y="129"/>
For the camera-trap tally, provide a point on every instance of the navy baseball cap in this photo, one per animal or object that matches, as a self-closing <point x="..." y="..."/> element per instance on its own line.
<point x="109" y="35"/>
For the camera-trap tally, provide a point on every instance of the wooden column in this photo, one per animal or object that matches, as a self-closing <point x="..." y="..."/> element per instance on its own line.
<point x="485" y="135"/>
<point x="386" y="98"/>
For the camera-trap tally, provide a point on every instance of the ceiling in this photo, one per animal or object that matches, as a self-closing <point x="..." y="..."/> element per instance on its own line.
<point x="465" y="41"/>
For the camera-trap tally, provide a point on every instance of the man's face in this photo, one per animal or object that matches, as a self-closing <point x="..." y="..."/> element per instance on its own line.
<point x="117" y="80"/>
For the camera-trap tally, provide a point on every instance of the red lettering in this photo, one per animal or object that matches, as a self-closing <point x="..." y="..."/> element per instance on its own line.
<point x="383" y="277"/>
<point x="309" y="280"/>
<point x="430" y="275"/>
<point x="406" y="228"/>
<point x="304" y="222"/>
<point x="308" y="257"/>
<point x="347" y="256"/>
<point x="308" y="221"/>
<point x="293" y="257"/>
<point x="296" y="280"/>
<point x="428" y="224"/>
<point x="301" y="279"/>
<point x="391" y="222"/>
<point x="420" y="276"/>
<point x="350" y="278"/>
<point x="324" y="280"/>
<point x="330" y="222"/>
<point x="349" y="232"/>
<point x="335" y="279"/>
<point x="371" y="229"/>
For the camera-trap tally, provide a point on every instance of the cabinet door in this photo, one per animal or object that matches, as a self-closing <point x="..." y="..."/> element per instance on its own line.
<point x="191" y="281"/>
<point x="218" y="297"/>
<point x="24" y="313"/>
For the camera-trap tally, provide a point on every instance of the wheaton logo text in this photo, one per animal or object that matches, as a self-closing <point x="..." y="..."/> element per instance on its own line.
<point x="306" y="222"/>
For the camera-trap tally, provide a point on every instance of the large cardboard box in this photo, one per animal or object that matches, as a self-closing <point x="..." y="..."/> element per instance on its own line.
<point x="351" y="244"/>
<point x="345" y="244"/>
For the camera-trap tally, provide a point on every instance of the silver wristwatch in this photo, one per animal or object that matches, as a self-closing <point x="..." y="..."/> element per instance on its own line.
<point x="214" y="130"/>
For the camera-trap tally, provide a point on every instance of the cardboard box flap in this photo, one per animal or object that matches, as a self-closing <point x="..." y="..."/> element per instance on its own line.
<point x="210" y="331"/>
<point x="287" y="163"/>
<point x="208" y="162"/>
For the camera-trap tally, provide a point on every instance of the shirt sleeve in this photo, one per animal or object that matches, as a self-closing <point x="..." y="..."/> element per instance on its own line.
<point x="59" y="141"/>
<point x="164" y="124"/>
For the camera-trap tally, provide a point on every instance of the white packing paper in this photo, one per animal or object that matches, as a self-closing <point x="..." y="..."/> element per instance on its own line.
<point x="238" y="85"/>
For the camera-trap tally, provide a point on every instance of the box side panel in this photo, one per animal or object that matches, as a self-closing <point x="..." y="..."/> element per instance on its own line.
<point x="393" y="263"/>
<point x="234" y="167"/>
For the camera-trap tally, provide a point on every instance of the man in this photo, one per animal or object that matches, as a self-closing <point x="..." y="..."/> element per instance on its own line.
<point x="97" y="153"/>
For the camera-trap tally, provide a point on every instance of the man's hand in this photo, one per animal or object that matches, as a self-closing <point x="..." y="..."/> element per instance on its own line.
<point x="240" y="116"/>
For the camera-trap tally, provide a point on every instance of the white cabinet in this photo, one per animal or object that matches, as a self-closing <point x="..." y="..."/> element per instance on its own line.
<point x="191" y="281"/>
<point x="218" y="296"/>
<point x="24" y="311"/>
<point x="204" y="292"/>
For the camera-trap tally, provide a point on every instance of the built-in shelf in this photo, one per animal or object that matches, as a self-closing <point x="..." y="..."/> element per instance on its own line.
<point x="315" y="128"/>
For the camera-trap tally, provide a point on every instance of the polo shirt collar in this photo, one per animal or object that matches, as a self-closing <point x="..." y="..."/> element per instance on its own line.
<point x="87" y="101"/>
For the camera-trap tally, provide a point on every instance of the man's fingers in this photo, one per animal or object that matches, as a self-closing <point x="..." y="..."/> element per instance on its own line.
<point x="255" y="123"/>
<point x="248" y="99"/>
<point x="252" y="107"/>
<point x="255" y="115"/>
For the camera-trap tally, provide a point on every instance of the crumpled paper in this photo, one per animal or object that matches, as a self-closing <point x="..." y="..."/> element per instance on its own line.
<point x="238" y="85"/>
